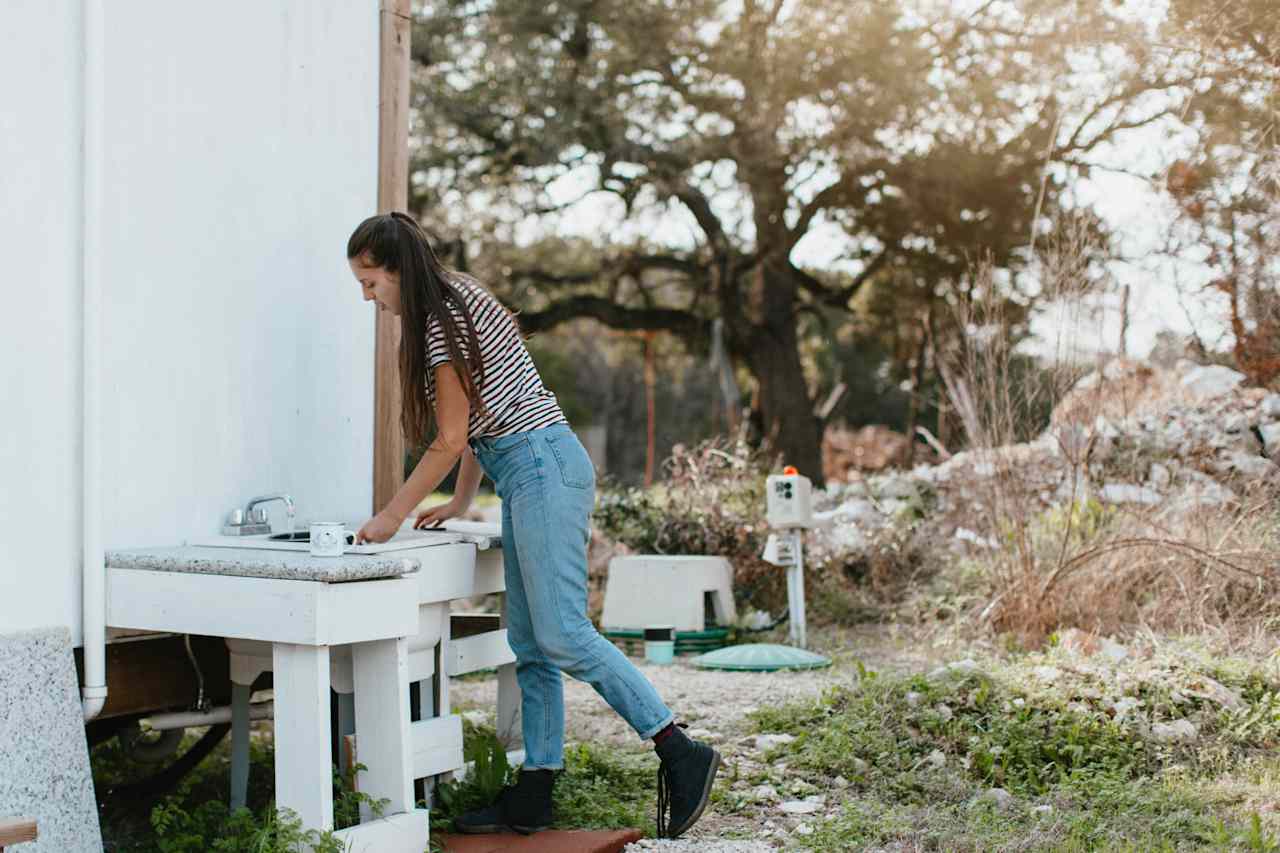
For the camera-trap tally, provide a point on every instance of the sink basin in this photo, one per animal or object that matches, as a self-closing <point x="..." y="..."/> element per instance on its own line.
<point x="302" y="536"/>
<point x="482" y="535"/>
<point x="301" y="541"/>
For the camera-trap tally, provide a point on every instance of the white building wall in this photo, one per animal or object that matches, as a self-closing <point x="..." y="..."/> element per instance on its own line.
<point x="240" y="150"/>
<point x="40" y="95"/>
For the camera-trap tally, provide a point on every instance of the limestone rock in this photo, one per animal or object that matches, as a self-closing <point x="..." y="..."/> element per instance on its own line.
<point x="1207" y="382"/>
<point x="1179" y="731"/>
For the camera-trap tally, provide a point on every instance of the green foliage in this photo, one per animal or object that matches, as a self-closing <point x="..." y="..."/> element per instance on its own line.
<point x="558" y="369"/>
<point x="196" y="817"/>
<point x="599" y="788"/>
<point x="918" y="753"/>
<point x="489" y="773"/>
<point x="1081" y="521"/>
<point x="603" y="788"/>
<point x="210" y="825"/>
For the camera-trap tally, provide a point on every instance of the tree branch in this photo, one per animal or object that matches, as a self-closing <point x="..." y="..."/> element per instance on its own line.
<point x="839" y="297"/>
<point x="688" y="327"/>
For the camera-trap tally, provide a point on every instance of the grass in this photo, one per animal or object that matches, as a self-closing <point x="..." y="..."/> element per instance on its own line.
<point x="1072" y="743"/>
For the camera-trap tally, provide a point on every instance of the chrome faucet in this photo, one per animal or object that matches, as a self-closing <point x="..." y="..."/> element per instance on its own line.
<point x="252" y="522"/>
<point x="261" y="499"/>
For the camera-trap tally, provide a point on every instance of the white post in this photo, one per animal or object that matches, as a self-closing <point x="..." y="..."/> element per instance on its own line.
<point x="239" y="744"/>
<point x="304" y="779"/>
<point x="381" y="673"/>
<point x="93" y="694"/>
<point x="795" y="589"/>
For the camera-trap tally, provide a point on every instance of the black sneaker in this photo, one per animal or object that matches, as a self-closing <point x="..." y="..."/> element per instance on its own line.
<point x="524" y="807"/>
<point x="685" y="777"/>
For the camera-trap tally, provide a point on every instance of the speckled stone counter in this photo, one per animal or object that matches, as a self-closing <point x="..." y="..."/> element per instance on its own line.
<point x="253" y="563"/>
<point x="44" y="759"/>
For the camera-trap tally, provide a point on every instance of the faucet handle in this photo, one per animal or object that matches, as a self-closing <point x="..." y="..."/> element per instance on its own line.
<point x="258" y="516"/>
<point x="235" y="518"/>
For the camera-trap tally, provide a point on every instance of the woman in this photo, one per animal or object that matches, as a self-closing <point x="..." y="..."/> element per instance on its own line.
<point x="465" y="371"/>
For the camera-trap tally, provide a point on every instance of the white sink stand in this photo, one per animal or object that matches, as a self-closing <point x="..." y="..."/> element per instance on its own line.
<point x="370" y="639"/>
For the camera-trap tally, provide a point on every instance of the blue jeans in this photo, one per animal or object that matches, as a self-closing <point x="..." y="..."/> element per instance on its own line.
<point x="547" y="485"/>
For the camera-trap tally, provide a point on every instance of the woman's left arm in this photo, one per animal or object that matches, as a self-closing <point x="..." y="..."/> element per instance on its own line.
<point x="453" y="413"/>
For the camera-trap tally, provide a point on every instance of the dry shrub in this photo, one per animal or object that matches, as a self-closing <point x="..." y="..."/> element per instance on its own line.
<point x="874" y="447"/>
<point x="995" y="406"/>
<point x="852" y="585"/>
<point x="711" y="501"/>
<point x="1208" y="568"/>
<point x="1081" y="563"/>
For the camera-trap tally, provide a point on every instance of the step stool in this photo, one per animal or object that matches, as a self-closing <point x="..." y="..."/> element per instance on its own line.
<point x="653" y="589"/>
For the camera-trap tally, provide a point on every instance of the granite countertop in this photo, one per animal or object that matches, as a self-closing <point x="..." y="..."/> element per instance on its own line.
<point x="254" y="563"/>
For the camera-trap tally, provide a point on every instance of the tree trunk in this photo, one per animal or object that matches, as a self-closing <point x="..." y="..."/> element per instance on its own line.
<point x="790" y="426"/>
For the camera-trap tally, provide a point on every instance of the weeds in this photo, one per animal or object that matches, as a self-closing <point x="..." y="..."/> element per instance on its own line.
<point x="599" y="788"/>
<point x="196" y="817"/>
<point x="1072" y="743"/>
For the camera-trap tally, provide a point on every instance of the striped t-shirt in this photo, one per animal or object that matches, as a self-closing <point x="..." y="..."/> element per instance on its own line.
<point x="512" y="390"/>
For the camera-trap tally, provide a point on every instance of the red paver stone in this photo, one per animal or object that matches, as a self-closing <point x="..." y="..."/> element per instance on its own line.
<point x="550" y="841"/>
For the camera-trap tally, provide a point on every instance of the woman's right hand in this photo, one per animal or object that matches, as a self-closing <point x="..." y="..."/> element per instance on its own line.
<point x="438" y="515"/>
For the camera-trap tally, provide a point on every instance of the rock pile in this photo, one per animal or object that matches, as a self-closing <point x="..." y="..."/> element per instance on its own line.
<point x="1128" y="433"/>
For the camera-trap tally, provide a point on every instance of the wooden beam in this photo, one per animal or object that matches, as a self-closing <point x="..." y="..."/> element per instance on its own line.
<point x="17" y="830"/>
<point x="469" y="624"/>
<point x="154" y="674"/>
<point x="393" y="194"/>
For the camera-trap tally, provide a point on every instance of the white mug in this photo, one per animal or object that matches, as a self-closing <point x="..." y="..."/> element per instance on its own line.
<point x="329" y="538"/>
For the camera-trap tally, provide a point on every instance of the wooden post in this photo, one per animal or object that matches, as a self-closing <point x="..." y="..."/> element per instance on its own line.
<point x="650" y="379"/>
<point x="16" y="831"/>
<point x="393" y="194"/>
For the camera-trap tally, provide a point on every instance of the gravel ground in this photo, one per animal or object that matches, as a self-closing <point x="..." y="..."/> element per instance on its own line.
<point x="715" y="705"/>
<point x="680" y="845"/>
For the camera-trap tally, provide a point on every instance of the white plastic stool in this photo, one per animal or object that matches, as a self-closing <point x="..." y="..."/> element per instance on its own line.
<point x="654" y="589"/>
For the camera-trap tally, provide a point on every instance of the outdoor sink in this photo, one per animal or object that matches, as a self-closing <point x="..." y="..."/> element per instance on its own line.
<point x="300" y="541"/>
<point x="302" y="536"/>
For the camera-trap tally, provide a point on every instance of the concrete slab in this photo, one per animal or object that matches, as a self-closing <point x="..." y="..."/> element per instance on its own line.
<point x="549" y="841"/>
<point x="44" y="758"/>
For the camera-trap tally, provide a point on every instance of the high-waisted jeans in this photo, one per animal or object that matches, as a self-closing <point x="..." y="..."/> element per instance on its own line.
<point x="547" y="485"/>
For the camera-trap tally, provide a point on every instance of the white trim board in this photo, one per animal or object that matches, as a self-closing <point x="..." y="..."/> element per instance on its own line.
<point x="268" y="609"/>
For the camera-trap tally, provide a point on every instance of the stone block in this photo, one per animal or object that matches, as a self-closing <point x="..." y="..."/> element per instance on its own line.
<point x="44" y="757"/>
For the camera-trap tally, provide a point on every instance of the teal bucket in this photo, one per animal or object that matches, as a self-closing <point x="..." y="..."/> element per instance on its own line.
<point x="660" y="643"/>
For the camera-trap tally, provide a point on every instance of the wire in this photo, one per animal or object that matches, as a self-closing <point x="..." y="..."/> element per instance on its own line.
<point x="200" y="700"/>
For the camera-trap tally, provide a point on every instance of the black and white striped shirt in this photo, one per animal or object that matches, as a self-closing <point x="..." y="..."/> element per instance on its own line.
<point x="512" y="390"/>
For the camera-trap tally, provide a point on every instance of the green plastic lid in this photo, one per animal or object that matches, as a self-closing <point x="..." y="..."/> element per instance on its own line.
<point x="761" y="657"/>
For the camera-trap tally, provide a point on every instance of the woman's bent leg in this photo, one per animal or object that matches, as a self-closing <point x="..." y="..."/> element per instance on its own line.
<point x="550" y="522"/>
<point x="541" y="685"/>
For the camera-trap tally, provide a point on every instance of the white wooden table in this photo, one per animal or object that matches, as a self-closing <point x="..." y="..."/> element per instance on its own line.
<point x="369" y="640"/>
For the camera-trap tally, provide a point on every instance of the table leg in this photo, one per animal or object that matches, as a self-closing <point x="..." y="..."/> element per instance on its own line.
<point x="239" y="744"/>
<point x="304" y="776"/>
<point x="381" y="672"/>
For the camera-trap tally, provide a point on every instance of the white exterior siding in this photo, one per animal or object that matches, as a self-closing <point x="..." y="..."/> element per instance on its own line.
<point x="240" y="148"/>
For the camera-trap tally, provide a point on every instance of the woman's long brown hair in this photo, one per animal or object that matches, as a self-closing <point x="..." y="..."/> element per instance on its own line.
<point x="395" y="242"/>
